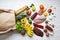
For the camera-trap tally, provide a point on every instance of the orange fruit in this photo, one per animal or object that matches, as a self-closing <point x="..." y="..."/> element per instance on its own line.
<point x="41" y="6"/>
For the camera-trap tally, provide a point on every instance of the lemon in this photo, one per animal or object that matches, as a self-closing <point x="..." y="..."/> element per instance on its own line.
<point x="45" y="14"/>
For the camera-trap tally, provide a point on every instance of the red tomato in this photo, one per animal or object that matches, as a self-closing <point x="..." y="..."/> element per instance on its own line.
<point x="49" y="10"/>
<point x="28" y="12"/>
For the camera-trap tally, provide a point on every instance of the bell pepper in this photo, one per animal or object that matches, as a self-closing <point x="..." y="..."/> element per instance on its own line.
<point x="23" y="20"/>
<point x="28" y="29"/>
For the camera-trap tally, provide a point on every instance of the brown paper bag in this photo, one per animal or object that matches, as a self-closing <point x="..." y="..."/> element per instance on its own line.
<point x="7" y="20"/>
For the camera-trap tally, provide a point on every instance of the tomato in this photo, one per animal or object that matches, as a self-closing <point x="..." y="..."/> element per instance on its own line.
<point x="49" y="10"/>
<point x="28" y="12"/>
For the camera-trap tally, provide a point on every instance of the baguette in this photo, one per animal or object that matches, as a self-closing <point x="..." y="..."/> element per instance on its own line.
<point x="21" y="9"/>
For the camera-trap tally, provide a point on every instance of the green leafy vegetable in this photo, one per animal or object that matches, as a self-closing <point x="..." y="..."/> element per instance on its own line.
<point x="29" y="21"/>
<point x="18" y="26"/>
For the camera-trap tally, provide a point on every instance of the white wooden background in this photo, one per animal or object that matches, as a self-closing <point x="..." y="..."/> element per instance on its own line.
<point x="16" y="4"/>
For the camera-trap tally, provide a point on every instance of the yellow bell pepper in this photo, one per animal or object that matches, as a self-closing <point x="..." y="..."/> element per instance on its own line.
<point x="28" y="29"/>
<point x="30" y="33"/>
<point x="23" y="20"/>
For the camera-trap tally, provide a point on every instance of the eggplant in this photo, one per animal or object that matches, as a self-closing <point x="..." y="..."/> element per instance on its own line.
<point x="38" y="32"/>
<point x="33" y="16"/>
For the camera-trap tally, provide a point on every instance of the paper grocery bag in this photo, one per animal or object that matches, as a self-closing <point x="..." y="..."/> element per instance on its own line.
<point x="7" y="21"/>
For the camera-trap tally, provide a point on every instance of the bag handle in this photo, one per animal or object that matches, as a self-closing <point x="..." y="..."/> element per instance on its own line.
<point x="5" y="10"/>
